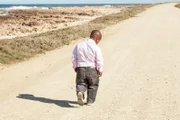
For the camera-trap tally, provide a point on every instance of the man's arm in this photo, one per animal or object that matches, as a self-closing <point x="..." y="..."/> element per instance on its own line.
<point x="99" y="61"/>
<point x="74" y="58"/>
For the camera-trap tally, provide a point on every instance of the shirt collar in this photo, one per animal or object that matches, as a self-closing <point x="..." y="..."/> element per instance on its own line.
<point x="91" y="40"/>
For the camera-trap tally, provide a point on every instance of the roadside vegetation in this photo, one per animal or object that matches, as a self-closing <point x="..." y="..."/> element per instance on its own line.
<point x="177" y="5"/>
<point x="23" y="48"/>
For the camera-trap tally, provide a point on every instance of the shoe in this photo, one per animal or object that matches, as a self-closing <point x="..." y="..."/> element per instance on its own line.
<point x="80" y="98"/>
<point x="90" y="104"/>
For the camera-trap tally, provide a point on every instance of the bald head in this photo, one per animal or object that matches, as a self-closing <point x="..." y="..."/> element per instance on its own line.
<point x="96" y="36"/>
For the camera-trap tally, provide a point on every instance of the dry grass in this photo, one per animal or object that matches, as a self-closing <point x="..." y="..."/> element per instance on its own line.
<point x="177" y="5"/>
<point x="23" y="48"/>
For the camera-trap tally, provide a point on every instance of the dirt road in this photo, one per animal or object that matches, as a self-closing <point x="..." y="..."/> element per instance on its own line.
<point x="141" y="79"/>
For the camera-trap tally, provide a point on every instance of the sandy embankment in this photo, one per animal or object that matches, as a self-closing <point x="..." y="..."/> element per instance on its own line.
<point x="31" y="21"/>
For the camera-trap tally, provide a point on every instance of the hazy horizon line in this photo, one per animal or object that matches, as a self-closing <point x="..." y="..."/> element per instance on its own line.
<point x="86" y="3"/>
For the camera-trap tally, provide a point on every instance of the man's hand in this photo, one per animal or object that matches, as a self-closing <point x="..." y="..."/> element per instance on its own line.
<point x="100" y="74"/>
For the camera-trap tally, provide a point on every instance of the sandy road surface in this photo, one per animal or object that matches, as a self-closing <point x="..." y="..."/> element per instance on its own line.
<point x="141" y="79"/>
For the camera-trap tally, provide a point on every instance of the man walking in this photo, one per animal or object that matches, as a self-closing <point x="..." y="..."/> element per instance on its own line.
<point x="88" y="64"/>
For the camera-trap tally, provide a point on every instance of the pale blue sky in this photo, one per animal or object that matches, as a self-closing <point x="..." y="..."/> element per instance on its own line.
<point x="80" y="1"/>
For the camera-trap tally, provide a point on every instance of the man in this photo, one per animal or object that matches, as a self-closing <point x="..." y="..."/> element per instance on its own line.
<point x="88" y="64"/>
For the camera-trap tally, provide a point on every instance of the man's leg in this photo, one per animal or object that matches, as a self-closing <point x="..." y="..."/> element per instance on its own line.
<point x="81" y="85"/>
<point x="93" y="83"/>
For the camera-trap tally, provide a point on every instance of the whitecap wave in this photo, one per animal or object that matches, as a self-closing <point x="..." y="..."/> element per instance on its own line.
<point x="107" y="5"/>
<point x="24" y="7"/>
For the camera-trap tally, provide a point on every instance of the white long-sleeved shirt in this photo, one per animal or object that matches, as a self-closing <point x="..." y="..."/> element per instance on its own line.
<point x="87" y="54"/>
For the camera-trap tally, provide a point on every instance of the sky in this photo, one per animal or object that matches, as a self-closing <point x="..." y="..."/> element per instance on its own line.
<point x="79" y="1"/>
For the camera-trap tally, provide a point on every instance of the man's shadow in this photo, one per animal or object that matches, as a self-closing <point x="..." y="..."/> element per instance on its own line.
<point x="61" y="103"/>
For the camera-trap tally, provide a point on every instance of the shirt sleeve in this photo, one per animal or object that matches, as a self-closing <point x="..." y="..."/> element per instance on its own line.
<point x="99" y="60"/>
<point x="74" y="58"/>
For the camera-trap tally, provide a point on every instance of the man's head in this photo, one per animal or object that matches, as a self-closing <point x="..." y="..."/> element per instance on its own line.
<point x="96" y="36"/>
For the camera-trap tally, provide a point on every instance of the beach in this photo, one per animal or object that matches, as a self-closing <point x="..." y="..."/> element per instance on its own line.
<point x="20" y="21"/>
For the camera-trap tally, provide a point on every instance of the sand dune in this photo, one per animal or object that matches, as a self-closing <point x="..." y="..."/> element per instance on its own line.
<point x="140" y="82"/>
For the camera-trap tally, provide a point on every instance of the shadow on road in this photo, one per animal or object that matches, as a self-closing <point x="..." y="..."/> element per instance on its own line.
<point x="61" y="103"/>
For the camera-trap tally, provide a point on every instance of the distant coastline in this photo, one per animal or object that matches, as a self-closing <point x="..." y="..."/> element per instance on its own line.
<point x="22" y="20"/>
<point x="4" y="8"/>
<point x="28" y="6"/>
